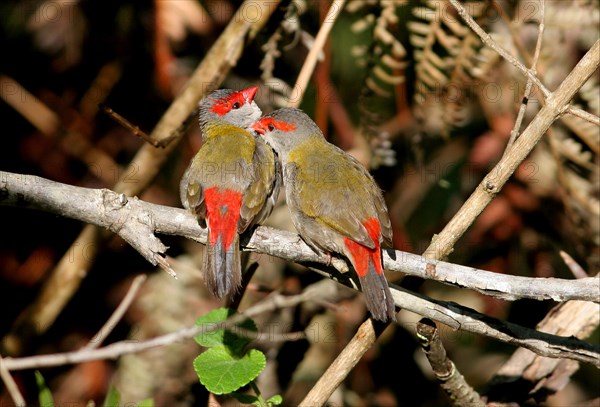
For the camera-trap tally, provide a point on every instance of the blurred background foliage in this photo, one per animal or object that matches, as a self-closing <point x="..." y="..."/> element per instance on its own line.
<point x="403" y="85"/>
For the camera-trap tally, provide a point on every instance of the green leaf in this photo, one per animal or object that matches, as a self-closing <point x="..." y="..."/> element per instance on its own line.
<point x="222" y="372"/>
<point x="146" y="403"/>
<point x="112" y="398"/>
<point x="275" y="400"/>
<point x="235" y="343"/>
<point x="44" y="395"/>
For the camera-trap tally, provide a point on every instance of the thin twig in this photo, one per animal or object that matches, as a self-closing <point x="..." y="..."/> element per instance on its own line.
<point x="582" y="114"/>
<point x="575" y="268"/>
<point x="11" y="385"/>
<point x="114" y="350"/>
<point x="116" y="316"/>
<point x="311" y="59"/>
<point x="490" y="42"/>
<point x="449" y="313"/>
<point x="127" y="124"/>
<point x="568" y="120"/>
<point x="538" y="46"/>
<point x="492" y="183"/>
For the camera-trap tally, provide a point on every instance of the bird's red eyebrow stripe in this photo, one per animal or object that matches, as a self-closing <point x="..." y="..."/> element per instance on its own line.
<point x="262" y="125"/>
<point x="223" y="106"/>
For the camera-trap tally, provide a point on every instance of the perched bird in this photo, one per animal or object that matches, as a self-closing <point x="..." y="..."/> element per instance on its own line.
<point x="335" y="204"/>
<point x="230" y="184"/>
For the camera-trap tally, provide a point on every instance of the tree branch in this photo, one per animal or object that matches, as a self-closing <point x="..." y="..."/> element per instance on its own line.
<point x="118" y="313"/>
<point x="11" y="385"/>
<point x="524" y="374"/>
<point x="458" y="317"/>
<point x="117" y="349"/>
<point x="311" y="59"/>
<point x="493" y="182"/>
<point x="530" y="73"/>
<point x="538" y="46"/>
<point x="449" y="313"/>
<point x="137" y="222"/>
<point x="444" y="370"/>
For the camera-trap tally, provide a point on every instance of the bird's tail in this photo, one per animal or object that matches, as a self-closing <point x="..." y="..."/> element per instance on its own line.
<point x="378" y="296"/>
<point x="368" y="265"/>
<point x="222" y="262"/>
<point x="222" y="266"/>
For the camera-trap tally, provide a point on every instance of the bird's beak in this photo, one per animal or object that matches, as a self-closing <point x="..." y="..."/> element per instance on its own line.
<point x="249" y="93"/>
<point x="258" y="127"/>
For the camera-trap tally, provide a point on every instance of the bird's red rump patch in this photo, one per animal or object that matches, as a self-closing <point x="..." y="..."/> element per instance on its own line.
<point x="222" y="213"/>
<point x="267" y="124"/>
<point x="361" y="254"/>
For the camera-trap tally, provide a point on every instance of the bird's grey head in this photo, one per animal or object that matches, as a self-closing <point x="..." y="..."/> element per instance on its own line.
<point x="285" y="128"/>
<point x="234" y="107"/>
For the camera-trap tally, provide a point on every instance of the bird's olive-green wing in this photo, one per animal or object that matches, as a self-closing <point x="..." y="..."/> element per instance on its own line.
<point x="335" y="190"/>
<point x="191" y="192"/>
<point x="265" y="180"/>
<point x="378" y="202"/>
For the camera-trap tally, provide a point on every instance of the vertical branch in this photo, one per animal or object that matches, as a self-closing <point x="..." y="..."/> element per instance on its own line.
<point x="313" y="54"/>
<point x="452" y="381"/>
<point x="515" y="131"/>
<point x="362" y="341"/>
<point x="321" y="77"/>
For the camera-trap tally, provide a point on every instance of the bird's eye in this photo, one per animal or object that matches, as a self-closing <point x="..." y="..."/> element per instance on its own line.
<point x="236" y="105"/>
<point x="271" y="127"/>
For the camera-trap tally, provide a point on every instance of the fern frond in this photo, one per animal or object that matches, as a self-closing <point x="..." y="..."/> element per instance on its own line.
<point x="384" y="62"/>
<point x="446" y="52"/>
<point x="586" y="131"/>
<point x="569" y="15"/>
<point x="572" y="150"/>
<point x="281" y="90"/>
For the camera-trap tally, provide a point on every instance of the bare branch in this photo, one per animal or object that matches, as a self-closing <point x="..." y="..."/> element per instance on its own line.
<point x="114" y="350"/>
<point x="526" y="374"/>
<point x="493" y="182"/>
<point x="136" y="221"/>
<point x="575" y="268"/>
<point x="538" y="46"/>
<point x="449" y="313"/>
<point x="458" y="317"/>
<point x="451" y="380"/>
<point x="11" y="386"/>
<point x="116" y="316"/>
<point x="311" y="60"/>
<point x="490" y="42"/>
<point x="362" y="341"/>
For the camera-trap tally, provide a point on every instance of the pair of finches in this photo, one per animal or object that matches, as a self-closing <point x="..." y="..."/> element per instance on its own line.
<point x="233" y="181"/>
